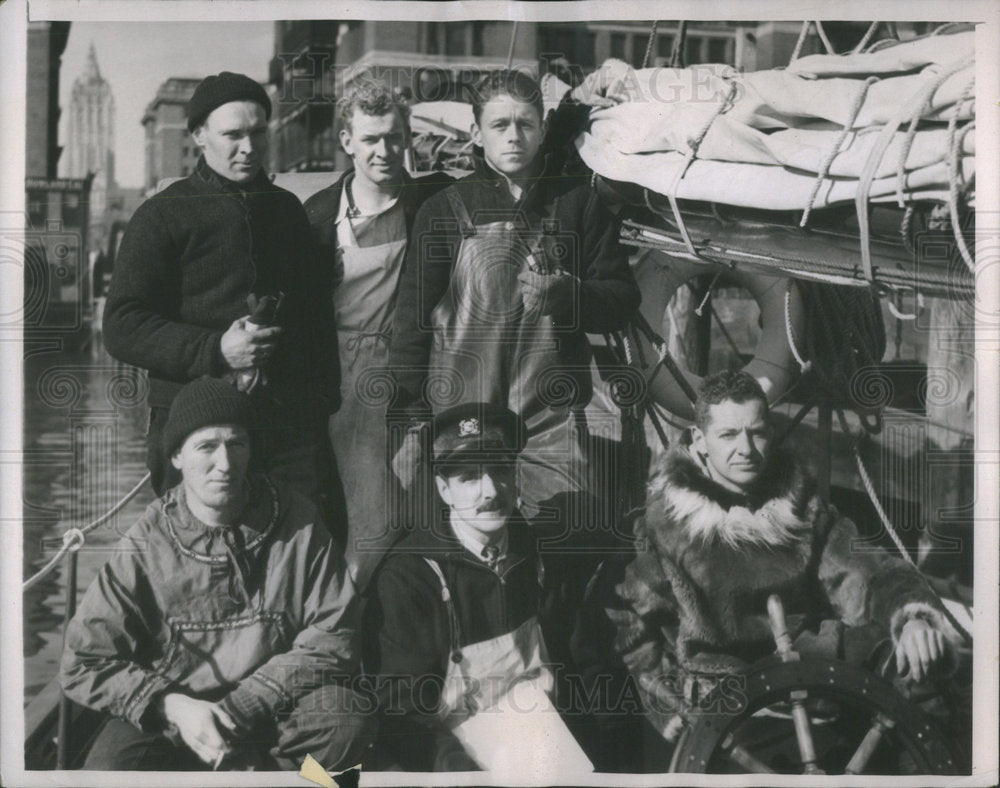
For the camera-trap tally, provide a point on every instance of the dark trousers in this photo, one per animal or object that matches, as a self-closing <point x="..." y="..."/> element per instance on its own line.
<point x="331" y="723"/>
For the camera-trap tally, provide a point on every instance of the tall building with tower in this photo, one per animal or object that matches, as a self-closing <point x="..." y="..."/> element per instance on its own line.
<point x="90" y="142"/>
<point x="90" y="136"/>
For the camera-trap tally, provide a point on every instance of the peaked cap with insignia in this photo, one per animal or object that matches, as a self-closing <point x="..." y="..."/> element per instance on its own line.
<point x="477" y="431"/>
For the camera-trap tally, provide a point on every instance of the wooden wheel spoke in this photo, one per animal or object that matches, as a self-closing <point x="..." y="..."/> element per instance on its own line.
<point x="803" y="731"/>
<point x="868" y="745"/>
<point x="745" y="760"/>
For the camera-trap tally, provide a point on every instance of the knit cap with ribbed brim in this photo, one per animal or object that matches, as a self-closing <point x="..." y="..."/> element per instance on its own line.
<point x="205" y="402"/>
<point x="214" y="91"/>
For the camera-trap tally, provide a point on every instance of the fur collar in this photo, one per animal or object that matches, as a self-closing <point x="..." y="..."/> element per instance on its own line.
<point x="775" y="513"/>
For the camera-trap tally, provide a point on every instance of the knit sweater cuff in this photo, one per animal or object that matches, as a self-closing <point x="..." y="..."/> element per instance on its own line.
<point x="246" y="707"/>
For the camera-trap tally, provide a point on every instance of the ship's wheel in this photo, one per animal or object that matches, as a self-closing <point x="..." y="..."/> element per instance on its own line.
<point x="813" y="716"/>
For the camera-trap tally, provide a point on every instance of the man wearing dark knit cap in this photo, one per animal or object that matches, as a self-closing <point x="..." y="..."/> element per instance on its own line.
<point x="196" y="262"/>
<point x="222" y="631"/>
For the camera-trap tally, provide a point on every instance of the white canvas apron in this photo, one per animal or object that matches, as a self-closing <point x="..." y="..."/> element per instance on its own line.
<point x="496" y="701"/>
<point x="364" y="302"/>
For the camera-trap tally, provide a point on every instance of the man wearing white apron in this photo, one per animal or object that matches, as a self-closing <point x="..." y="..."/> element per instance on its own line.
<point x="361" y="223"/>
<point x="454" y="619"/>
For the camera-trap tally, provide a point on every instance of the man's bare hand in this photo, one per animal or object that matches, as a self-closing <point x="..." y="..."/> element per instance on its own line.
<point x="244" y="346"/>
<point x="408" y="458"/>
<point x="921" y="649"/>
<point x="605" y="87"/>
<point x="201" y="725"/>
<point x="551" y="293"/>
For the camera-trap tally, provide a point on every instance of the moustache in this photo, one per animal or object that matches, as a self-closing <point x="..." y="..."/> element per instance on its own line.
<point x="494" y="505"/>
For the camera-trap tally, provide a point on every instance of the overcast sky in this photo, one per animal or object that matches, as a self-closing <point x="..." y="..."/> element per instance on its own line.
<point x="136" y="58"/>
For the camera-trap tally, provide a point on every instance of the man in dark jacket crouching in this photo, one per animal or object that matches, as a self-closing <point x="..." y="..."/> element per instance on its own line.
<point x="222" y="632"/>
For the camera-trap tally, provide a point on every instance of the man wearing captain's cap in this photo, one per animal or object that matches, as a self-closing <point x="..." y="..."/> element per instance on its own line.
<point x="458" y="609"/>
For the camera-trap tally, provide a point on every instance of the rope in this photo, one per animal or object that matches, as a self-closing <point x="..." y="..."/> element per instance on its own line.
<point x="954" y="173"/>
<point x="845" y="333"/>
<point x="824" y="169"/>
<point x="896" y="313"/>
<point x="510" y="49"/>
<point x="649" y="44"/>
<point x="74" y="538"/>
<point x="887" y="523"/>
<point x="913" y="108"/>
<point x="904" y="153"/>
<point x="801" y="40"/>
<point x="870" y="489"/>
<point x="822" y="35"/>
<point x="867" y="37"/>
<point x="708" y="294"/>
<point x="804" y="366"/>
<point x="677" y="55"/>
<point x="905" y="226"/>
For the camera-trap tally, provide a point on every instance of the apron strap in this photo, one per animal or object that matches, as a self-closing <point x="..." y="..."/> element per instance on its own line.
<point x="465" y="225"/>
<point x="456" y="655"/>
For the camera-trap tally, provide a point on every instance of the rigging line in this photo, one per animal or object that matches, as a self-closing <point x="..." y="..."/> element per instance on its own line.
<point x="74" y="538"/>
<point x="649" y="44"/>
<point x="803" y="32"/>
<point x="867" y="37"/>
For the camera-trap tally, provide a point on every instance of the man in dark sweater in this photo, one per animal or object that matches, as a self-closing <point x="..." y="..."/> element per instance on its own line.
<point x="194" y="260"/>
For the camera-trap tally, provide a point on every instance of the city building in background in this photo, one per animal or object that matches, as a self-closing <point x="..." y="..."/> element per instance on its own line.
<point x="170" y="151"/>
<point x="432" y="60"/>
<point x="46" y="44"/>
<point x="302" y="76"/>
<point x="90" y="143"/>
<point x="56" y="227"/>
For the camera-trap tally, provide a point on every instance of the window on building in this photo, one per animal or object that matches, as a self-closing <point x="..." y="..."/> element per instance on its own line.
<point x="431" y="45"/>
<point x="720" y="50"/>
<point x="455" y="38"/>
<point x="618" y="42"/>
<point x="664" y="47"/>
<point x="478" y="48"/>
<point x="185" y="170"/>
<point x="692" y="50"/>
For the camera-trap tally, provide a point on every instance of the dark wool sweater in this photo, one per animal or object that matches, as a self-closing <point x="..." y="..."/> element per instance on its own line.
<point x="190" y="257"/>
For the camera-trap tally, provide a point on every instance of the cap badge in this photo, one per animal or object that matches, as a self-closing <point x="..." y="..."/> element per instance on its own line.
<point x="468" y="427"/>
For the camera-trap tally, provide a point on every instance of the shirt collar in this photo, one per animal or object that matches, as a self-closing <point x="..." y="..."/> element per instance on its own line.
<point x="344" y="203"/>
<point x="464" y="535"/>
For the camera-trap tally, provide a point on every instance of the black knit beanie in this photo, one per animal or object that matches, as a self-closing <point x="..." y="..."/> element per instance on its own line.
<point x="203" y="403"/>
<point x="220" y="89"/>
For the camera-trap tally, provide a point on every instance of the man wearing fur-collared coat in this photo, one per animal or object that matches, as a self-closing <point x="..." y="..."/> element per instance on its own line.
<point x="727" y="523"/>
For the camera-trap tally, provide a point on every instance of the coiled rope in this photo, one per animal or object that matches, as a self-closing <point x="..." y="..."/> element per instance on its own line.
<point x="74" y="538"/>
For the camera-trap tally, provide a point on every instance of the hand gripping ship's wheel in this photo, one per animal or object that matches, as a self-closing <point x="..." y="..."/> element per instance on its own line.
<point x="812" y="716"/>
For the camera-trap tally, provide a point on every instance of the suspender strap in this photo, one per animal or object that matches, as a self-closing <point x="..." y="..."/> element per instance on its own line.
<point x="465" y="225"/>
<point x="449" y="603"/>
